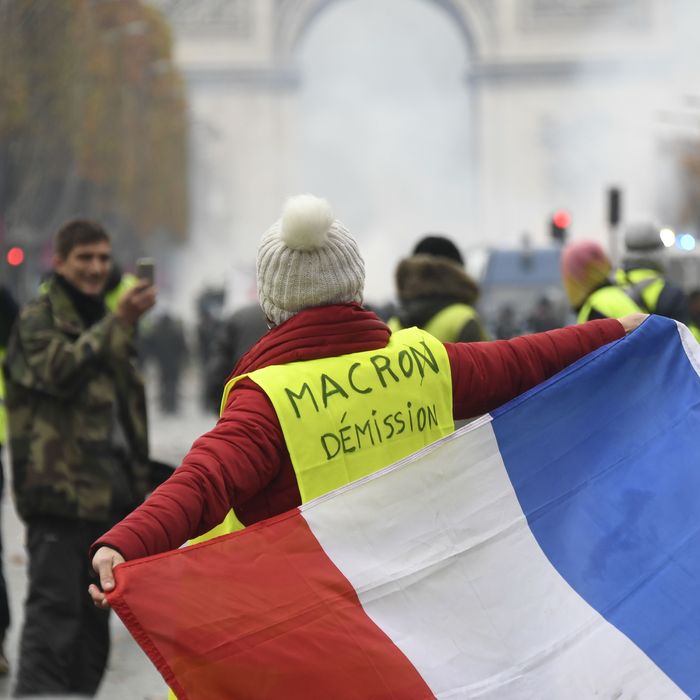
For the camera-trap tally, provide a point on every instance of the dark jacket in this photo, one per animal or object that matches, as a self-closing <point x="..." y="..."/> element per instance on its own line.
<point x="8" y="315"/>
<point x="77" y="413"/>
<point x="427" y="284"/>
<point x="244" y="462"/>
<point x="233" y="337"/>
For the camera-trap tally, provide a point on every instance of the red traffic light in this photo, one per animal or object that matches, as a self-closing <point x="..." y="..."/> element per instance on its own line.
<point x="561" y="219"/>
<point x="15" y="256"/>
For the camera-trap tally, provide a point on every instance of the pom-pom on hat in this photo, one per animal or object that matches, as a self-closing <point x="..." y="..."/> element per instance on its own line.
<point x="306" y="259"/>
<point x="584" y="268"/>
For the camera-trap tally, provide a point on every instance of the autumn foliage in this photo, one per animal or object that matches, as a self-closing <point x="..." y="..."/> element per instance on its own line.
<point x="93" y="118"/>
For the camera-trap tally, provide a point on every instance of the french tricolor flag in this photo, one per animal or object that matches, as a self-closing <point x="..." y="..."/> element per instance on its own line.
<point x="550" y="550"/>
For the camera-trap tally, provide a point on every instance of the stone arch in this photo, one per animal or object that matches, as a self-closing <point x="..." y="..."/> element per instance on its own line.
<point x="294" y="17"/>
<point x="252" y="77"/>
<point x="523" y="61"/>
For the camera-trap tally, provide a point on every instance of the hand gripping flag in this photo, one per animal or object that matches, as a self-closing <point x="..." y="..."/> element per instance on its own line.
<point x="548" y="550"/>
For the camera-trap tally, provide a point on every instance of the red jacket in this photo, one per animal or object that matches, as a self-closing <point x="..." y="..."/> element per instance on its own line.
<point x="243" y="461"/>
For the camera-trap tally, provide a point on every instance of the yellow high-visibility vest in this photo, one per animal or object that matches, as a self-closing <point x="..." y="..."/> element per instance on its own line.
<point x="126" y="282"/>
<point x="447" y="324"/>
<point x="345" y="417"/>
<point x="610" y="302"/>
<point x="394" y="324"/>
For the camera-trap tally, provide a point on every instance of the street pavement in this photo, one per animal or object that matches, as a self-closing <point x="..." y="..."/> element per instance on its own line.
<point x="129" y="672"/>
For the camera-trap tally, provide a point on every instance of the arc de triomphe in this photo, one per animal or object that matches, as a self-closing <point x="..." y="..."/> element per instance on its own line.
<point x="541" y="75"/>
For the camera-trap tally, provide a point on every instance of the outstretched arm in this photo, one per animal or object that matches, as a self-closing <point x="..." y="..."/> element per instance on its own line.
<point x="487" y="375"/>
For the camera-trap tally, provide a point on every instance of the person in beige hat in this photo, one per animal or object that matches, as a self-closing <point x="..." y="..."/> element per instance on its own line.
<point x="328" y="395"/>
<point x="436" y="293"/>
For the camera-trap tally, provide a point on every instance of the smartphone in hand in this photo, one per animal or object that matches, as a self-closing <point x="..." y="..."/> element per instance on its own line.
<point x="146" y="269"/>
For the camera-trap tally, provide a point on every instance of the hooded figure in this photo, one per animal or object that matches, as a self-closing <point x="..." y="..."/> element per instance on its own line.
<point x="436" y="293"/>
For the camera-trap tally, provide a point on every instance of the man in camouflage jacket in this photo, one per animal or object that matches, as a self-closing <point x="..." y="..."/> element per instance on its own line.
<point x="79" y="448"/>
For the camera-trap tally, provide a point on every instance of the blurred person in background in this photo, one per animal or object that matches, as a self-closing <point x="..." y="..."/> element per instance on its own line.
<point x="8" y="316"/>
<point x="210" y="305"/>
<point x="642" y="274"/>
<point x="506" y="323"/>
<point x="79" y="451"/>
<point x="436" y="294"/>
<point x="586" y="275"/>
<point x="262" y="459"/>
<point x="544" y="317"/>
<point x="166" y="345"/>
<point x="232" y="338"/>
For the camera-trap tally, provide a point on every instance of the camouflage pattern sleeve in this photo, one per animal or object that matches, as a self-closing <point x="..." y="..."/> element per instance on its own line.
<point x="58" y="352"/>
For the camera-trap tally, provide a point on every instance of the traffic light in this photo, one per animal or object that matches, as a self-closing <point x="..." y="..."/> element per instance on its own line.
<point x="15" y="259"/>
<point x="15" y="256"/>
<point x="614" y="206"/>
<point x="559" y="225"/>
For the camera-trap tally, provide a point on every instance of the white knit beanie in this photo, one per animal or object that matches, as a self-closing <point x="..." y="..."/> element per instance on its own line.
<point x="307" y="259"/>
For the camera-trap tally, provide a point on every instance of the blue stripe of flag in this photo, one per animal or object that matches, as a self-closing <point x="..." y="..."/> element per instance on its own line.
<point x="605" y="461"/>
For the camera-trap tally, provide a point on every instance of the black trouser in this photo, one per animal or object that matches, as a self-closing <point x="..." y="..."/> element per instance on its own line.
<point x="65" y="638"/>
<point x="4" y="603"/>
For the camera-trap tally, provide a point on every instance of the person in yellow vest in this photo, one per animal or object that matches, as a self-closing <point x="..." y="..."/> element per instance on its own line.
<point x="8" y="314"/>
<point x="642" y="274"/>
<point x="586" y="275"/>
<point x="436" y="293"/>
<point x="328" y="395"/>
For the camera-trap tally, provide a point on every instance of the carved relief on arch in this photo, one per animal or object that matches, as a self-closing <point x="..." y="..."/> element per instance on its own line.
<point x="476" y="20"/>
<point x="232" y="17"/>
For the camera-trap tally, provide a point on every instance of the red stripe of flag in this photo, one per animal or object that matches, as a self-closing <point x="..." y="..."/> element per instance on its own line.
<point x="262" y="613"/>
